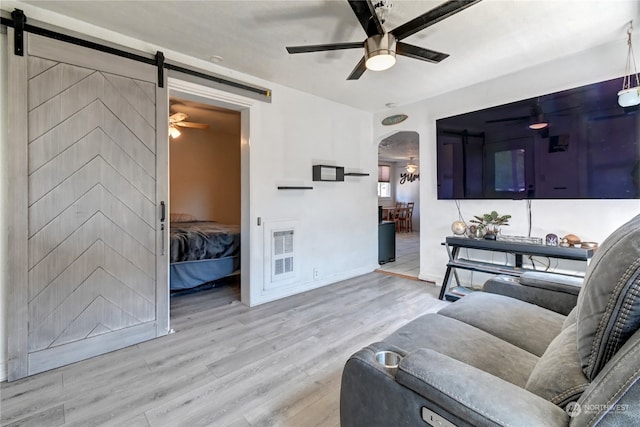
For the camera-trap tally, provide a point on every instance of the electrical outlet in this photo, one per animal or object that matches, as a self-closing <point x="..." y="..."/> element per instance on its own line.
<point x="316" y="274"/>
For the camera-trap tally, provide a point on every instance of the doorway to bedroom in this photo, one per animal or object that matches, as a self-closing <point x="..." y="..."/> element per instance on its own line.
<point x="204" y="204"/>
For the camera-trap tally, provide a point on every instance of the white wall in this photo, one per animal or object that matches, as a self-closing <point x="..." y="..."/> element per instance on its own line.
<point x="336" y="221"/>
<point x="592" y="220"/>
<point x="409" y="191"/>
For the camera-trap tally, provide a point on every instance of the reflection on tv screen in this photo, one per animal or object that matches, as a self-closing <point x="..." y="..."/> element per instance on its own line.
<point x="574" y="144"/>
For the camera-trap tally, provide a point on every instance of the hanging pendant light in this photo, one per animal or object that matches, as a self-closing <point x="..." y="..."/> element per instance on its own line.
<point x="629" y="96"/>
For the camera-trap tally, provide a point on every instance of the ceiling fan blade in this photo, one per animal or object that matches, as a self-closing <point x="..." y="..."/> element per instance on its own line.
<point x="324" y="47"/>
<point x="358" y="71"/>
<point x="192" y="125"/>
<point x="416" y="52"/>
<point x="177" y="117"/>
<point x="431" y="17"/>
<point x="366" y="14"/>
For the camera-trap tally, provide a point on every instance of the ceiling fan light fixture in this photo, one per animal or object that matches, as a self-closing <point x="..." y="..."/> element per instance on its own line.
<point x="380" y="52"/>
<point x="539" y="124"/>
<point x="538" y="120"/>
<point x="174" y="132"/>
<point x="411" y="166"/>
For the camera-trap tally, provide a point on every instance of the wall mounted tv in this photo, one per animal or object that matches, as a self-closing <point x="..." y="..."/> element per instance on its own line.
<point x="590" y="148"/>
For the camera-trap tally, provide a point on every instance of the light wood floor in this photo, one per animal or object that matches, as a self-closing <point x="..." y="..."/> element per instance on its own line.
<point x="407" y="261"/>
<point x="278" y="364"/>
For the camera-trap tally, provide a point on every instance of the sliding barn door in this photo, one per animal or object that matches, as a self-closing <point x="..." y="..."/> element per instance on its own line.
<point x="89" y="163"/>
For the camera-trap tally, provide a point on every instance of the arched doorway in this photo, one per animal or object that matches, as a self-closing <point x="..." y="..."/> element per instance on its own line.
<point x="399" y="155"/>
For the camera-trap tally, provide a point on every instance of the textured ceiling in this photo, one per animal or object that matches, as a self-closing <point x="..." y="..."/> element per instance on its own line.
<point x="489" y="39"/>
<point x="401" y="145"/>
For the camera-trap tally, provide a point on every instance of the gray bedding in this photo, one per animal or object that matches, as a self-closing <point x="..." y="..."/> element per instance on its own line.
<point x="200" y="240"/>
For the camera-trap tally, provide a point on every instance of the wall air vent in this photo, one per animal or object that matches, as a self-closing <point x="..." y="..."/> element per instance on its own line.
<point x="282" y="253"/>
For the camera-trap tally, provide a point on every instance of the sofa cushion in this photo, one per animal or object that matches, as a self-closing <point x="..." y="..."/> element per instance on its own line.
<point x="571" y="318"/>
<point x="467" y="344"/>
<point x="558" y="376"/>
<point x="524" y="325"/>
<point x="554" y="299"/>
<point x="552" y="281"/>
<point x="609" y="304"/>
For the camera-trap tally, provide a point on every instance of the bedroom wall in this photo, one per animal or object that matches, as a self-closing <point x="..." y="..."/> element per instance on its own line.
<point x="205" y="170"/>
<point x="592" y="220"/>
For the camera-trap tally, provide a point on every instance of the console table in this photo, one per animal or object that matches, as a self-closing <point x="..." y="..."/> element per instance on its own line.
<point x="454" y="244"/>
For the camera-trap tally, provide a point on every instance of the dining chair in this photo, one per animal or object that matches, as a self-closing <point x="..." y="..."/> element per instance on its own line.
<point x="406" y="218"/>
<point x="398" y="214"/>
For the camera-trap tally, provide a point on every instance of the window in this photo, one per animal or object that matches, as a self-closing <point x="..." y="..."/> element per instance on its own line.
<point x="384" y="178"/>
<point x="384" y="189"/>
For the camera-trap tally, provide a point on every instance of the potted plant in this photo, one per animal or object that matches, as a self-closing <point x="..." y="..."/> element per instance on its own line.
<point x="491" y="222"/>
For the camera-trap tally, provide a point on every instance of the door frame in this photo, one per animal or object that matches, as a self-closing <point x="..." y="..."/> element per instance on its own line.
<point x="198" y="90"/>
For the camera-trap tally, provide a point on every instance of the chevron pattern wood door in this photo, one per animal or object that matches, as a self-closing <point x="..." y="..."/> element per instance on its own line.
<point x="92" y="224"/>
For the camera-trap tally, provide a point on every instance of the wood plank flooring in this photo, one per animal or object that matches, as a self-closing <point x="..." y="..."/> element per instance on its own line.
<point x="227" y="365"/>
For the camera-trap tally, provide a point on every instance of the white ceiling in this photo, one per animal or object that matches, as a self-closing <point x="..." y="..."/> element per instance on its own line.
<point x="489" y="39"/>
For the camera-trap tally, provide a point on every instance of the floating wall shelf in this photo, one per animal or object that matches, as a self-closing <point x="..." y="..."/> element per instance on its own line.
<point x="292" y="187"/>
<point x="356" y="174"/>
<point x="328" y="173"/>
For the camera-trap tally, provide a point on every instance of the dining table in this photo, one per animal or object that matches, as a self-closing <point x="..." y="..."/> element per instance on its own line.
<point x="388" y="213"/>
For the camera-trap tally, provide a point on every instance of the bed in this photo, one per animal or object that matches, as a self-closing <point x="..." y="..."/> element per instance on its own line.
<point x="201" y="252"/>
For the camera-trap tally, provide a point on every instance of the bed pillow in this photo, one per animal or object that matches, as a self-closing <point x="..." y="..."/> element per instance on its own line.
<point x="181" y="217"/>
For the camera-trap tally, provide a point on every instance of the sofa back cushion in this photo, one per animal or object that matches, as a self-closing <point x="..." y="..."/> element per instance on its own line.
<point x="612" y="398"/>
<point x="572" y="317"/>
<point x="558" y="375"/>
<point x="609" y="303"/>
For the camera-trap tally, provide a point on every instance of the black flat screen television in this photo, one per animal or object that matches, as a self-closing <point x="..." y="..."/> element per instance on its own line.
<point x="589" y="149"/>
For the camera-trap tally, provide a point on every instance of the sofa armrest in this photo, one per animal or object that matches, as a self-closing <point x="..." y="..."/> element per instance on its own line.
<point x="475" y="396"/>
<point x="552" y="282"/>
<point x="551" y="291"/>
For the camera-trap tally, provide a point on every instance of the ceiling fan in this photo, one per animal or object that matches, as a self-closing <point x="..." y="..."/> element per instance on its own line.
<point x="179" y="120"/>
<point x="381" y="47"/>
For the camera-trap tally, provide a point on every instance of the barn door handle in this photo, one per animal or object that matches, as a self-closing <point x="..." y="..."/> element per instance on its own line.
<point x="162" y="217"/>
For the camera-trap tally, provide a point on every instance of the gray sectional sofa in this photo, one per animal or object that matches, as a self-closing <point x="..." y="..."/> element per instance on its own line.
<point x="496" y="360"/>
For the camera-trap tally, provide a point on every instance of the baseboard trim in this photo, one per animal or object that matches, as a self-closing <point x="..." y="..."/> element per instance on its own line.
<point x="286" y="291"/>
<point x="3" y="370"/>
<point x="391" y="273"/>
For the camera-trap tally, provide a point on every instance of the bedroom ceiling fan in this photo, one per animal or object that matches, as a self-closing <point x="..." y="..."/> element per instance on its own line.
<point x="381" y="47"/>
<point x="179" y="120"/>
